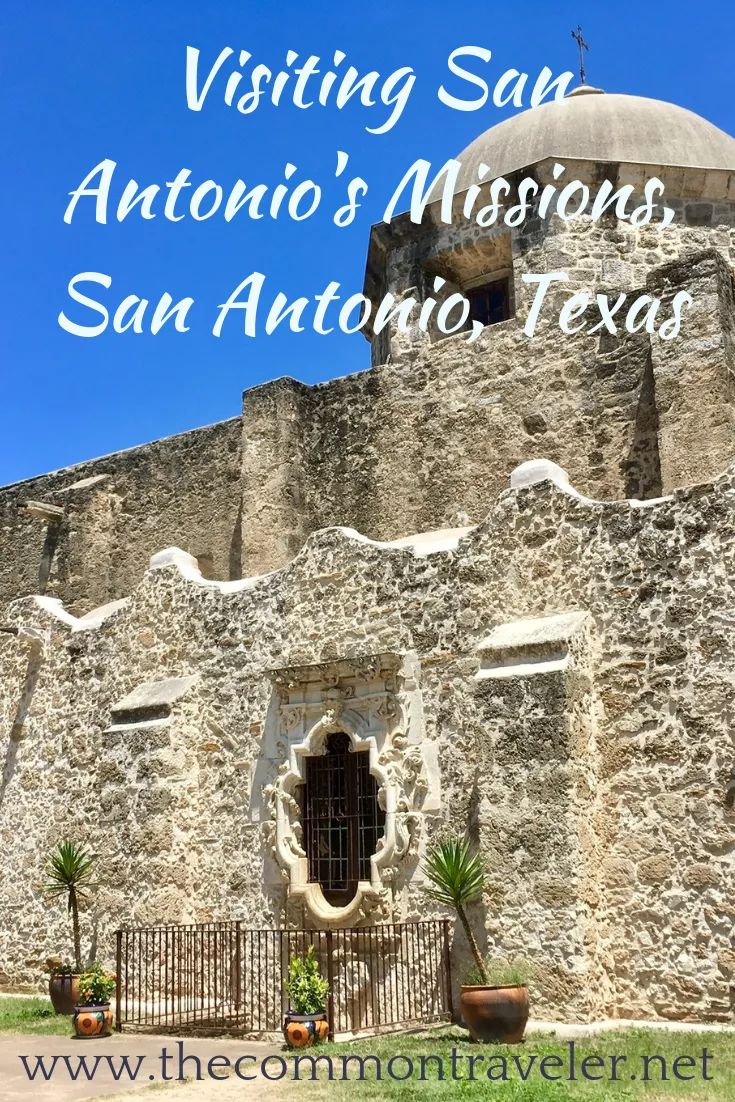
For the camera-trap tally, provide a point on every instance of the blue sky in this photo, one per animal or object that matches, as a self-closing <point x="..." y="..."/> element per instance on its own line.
<point x="84" y="81"/>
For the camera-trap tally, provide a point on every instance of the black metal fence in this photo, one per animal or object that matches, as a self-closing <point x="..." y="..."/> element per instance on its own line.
<point x="223" y="977"/>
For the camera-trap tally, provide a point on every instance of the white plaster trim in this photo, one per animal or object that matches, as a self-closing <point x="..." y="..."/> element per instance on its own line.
<point x="188" y="568"/>
<point x="535" y="471"/>
<point x="91" y="620"/>
<point x="431" y="543"/>
<point x="637" y="503"/>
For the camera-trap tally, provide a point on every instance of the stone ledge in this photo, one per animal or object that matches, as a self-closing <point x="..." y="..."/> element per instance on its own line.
<point x="52" y="514"/>
<point x="137" y="725"/>
<point x="150" y="702"/>
<point x="522" y="648"/>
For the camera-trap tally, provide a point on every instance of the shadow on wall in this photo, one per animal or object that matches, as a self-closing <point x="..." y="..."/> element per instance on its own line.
<point x="236" y="547"/>
<point x="33" y="668"/>
<point x="642" y="466"/>
<point x="50" y="543"/>
<point x="206" y="559"/>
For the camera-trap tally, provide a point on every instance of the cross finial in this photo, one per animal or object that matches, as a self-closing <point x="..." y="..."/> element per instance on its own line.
<point x="577" y="36"/>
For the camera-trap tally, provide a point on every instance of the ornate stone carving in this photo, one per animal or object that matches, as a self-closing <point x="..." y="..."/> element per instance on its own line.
<point x="291" y="716"/>
<point x="365" y="698"/>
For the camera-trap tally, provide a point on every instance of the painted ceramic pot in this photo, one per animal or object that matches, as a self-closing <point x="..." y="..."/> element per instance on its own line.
<point x="93" y="1021"/>
<point x="301" y="1030"/>
<point x="63" y="991"/>
<point x="496" y="1013"/>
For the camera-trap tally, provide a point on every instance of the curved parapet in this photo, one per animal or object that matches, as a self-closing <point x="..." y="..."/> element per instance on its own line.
<point x="320" y="546"/>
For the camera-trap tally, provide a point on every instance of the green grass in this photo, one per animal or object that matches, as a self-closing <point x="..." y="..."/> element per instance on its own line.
<point x="32" y="1015"/>
<point x="633" y="1044"/>
<point x="36" y="1015"/>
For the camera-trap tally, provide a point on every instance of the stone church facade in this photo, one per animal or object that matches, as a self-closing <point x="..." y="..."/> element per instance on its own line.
<point x="497" y="576"/>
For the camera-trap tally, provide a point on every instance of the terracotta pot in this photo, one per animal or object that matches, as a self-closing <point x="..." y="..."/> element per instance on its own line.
<point x="496" y="1013"/>
<point x="301" y="1030"/>
<point x="93" y="1021"/>
<point x="64" y="992"/>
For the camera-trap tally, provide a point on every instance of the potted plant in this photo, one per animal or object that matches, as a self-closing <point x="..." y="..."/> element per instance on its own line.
<point x="494" y="1005"/>
<point x="92" y="1015"/>
<point x="495" y="1002"/>
<point x="306" y="1019"/>
<point x="68" y="872"/>
<point x="63" y="985"/>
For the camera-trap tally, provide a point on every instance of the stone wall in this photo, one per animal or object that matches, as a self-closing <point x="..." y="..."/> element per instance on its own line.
<point x="117" y="512"/>
<point x="421" y="440"/>
<point x="589" y="762"/>
<point x="422" y="443"/>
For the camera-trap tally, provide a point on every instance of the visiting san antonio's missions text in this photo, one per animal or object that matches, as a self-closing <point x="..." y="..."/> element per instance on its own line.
<point x="457" y="192"/>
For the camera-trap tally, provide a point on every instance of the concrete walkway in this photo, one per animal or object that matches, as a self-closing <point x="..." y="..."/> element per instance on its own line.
<point x="15" y="1085"/>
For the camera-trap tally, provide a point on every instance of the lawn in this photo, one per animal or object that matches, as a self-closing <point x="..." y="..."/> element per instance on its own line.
<point x="33" y="1014"/>
<point x="537" y="1071"/>
<point x="681" y="1062"/>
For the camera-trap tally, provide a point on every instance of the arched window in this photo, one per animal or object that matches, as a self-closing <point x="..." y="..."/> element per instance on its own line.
<point x="341" y="817"/>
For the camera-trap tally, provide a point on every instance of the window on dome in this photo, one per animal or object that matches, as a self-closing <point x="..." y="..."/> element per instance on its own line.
<point x="342" y="820"/>
<point x="490" y="302"/>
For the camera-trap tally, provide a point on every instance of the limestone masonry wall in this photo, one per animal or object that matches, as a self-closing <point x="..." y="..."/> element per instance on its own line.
<point x="596" y="786"/>
<point x="421" y="440"/>
<point x="551" y="673"/>
<point x="117" y="512"/>
<point x="421" y="443"/>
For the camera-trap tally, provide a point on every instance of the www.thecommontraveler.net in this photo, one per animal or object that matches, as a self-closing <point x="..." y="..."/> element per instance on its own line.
<point x="174" y="1064"/>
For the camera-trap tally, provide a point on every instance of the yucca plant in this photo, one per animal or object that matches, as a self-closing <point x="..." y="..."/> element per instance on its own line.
<point x="457" y="878"/>
<point x="69" y="871"/>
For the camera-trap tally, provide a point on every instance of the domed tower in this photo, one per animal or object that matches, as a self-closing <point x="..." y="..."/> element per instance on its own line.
<point x="628" y="415"/>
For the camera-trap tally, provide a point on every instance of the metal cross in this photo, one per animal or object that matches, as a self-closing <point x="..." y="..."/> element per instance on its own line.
<point x="577" y="36"/>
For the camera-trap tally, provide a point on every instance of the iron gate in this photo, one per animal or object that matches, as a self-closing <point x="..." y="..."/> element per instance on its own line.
<point x="223" y="977"/>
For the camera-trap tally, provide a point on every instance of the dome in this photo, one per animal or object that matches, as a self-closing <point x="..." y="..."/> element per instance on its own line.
<point x="591" y="125"/>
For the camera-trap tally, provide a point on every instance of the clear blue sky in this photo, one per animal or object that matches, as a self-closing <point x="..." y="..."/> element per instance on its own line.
<point x="82" y="81"/>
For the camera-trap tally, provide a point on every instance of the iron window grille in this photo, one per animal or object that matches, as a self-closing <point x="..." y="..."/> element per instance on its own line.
<point x="342" y="818"/>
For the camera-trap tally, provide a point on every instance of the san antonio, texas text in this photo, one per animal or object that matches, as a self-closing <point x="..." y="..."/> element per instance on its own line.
<point x="176" y="1065"/>
<point x="485" y="203"/>
<point x="247" y="85"/>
